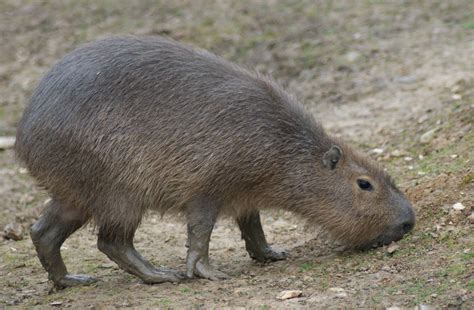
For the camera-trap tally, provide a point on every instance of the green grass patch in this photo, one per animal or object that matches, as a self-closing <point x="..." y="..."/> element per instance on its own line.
<point x="422" y="290"/>
<point x="165" y="302"/>
<point x="468" y="179"/>
<point x="185" y="290"/>
<point x="468" y="257"/>
<point x="470" y="285"/>
<point x="456" y="269"/>
<point x="440" y="161"/>
<point x="11" y="259"/>
<point x="468" y="25"/>
<point x="306" y="267"/>
<point x="324" y="283"/>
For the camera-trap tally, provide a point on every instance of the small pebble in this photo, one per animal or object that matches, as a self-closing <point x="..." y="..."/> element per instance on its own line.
<point x="458" y="206"/>
<point x="386" y="268"/>
<point x="392" y="248"/>
<point x="423" y="118"/>
<point x="13" y="231"/>
<point x="339" y="292"/>
<point x="406" y="79"/>
<point x="456" y="96"/>
<point x="428" y="136"/>
<point x="377" y="151"/>
<point x="336" y="289"/>
<point x="6" y="142"/>
<point x="396" y="153"/>
<point x="341" y="295"/>
<point x="288" y="294"/>
<point x="470" y="218"/>
<point x="352" y="56"/>
<point x="56" y="303"/>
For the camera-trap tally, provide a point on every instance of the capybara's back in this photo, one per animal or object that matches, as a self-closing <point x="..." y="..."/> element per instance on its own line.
<point x="123" y="125"/>
<point x="151" y="123"/>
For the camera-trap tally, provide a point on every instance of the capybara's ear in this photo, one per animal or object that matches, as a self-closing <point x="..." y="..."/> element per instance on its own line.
<point x="332" y="157"/>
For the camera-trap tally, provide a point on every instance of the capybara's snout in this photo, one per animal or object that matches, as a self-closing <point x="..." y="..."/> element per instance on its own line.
<point x="404" y="223"/>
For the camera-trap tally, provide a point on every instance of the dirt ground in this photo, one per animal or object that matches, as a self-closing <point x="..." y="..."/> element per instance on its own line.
<point x="395" y="78"/>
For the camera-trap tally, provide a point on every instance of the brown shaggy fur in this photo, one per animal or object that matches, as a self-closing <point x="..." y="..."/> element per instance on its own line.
<point x="125" y="125"/>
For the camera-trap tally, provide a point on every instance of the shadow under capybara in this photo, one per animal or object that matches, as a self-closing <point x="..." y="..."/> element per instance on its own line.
<point x="129" y="124"/>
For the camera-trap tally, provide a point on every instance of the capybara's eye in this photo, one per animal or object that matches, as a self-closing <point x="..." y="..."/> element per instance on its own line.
<point x="364" y="185"/>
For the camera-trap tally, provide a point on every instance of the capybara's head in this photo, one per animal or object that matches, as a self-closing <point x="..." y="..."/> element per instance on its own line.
<point x="360" y="204"/>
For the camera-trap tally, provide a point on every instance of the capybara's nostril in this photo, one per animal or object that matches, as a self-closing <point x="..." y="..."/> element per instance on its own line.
<point x="407" y="226"/>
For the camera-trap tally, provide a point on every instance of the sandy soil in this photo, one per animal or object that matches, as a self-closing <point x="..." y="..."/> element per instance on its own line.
<point x="380" y="74"/>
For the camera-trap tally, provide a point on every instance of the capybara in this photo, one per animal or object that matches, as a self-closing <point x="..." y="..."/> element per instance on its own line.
<point x="125" y="125"/>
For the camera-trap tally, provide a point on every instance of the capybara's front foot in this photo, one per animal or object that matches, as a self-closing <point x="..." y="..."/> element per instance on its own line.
<point x="71" y="280"/>
<point x="201" y="215"/>
<point x="255" y="241"/>
<point x="198" y="265"/>
<point x="206" y="271"/>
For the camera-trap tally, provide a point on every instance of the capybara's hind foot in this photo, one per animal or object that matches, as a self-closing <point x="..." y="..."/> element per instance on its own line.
<point x="125" y="255"/>
<point x="206" y="271"/>
<point x="161" y="275"/>
<point x="269" y="255"/>
<point x="57" y="222"/>
<point x="70" y="280"/>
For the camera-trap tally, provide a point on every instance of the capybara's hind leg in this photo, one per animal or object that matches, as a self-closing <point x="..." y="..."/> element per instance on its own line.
<point x="58" y="222"/>
<point x="118" y="246"/>
<point x="255" y="242"/>
<point x="201" y="216"/>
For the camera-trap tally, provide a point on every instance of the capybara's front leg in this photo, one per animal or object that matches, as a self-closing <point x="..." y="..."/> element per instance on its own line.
<point x="255" y="241"/>
<point x="201" y="216"/>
